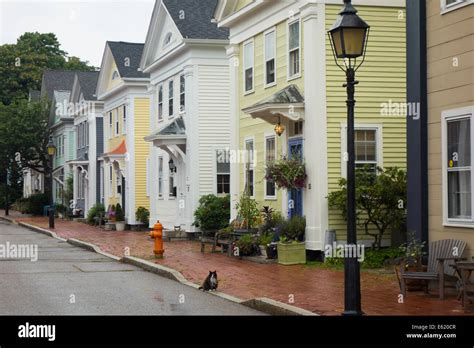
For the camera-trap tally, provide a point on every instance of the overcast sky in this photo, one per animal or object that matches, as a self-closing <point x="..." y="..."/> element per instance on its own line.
<point x="82" y="27"/>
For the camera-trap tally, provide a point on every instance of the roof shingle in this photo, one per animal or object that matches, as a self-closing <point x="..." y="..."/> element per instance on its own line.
<point x="127" y="56"/>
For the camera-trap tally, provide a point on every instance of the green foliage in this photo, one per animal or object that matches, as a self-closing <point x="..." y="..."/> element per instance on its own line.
<point x="32" y="205"/>
<point x="287" y="173"/>
<point x="246" y="245"/>
<point x="247" y="211"/>
<point x="293" y="230"/>
<point x="265" y="239"/>
<point x="213" y="213"/>
<point x="94" y="212"/>
<point x="143" y="215"/>
<point x="413" y="251"/>
<point x="374" y="259"/>
<point x="119" y="214"/>
<point x="61" y="209"/>
<point x="380" y="201"/>
<point x="22" y="64"/>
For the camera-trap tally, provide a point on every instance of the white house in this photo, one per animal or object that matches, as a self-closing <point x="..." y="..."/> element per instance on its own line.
<point x="185" y="55"/>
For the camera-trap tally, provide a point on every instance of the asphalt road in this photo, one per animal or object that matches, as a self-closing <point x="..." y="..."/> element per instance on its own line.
<point x="66" y="280"/>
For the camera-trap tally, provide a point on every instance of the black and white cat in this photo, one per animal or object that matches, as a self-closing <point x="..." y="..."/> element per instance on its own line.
<point x="211" y="282"/>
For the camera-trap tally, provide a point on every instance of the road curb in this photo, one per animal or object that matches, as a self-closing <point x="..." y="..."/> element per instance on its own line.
<point x="8" y="219"/>
<point x="41" y="230"/>
<point x="276" y="308"/>
<point x="91" y="247"/>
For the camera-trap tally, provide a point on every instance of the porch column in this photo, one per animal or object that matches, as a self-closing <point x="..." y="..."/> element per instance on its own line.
<point x="75" y="186"/>
<point x="315" y="127"/>
<point x="233" y="53"/>
<point x="190" y="179"/>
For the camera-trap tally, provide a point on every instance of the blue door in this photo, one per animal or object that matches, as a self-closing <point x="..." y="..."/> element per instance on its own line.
<point x="295" y="199"/>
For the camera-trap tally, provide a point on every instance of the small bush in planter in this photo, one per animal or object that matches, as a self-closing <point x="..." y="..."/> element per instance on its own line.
<point x="119" y="214"/>
<point x="143" y="215"/>
<point x="293" y="230"/>
<point x="247" y="245"/>
<point x="213" y="213"/>
<point x="94" y="213"/>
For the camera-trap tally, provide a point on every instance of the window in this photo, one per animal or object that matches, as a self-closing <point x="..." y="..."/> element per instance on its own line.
<point x="102" y="195"/>
<point x="172" y="188"/>
<point x="115" y="75"/>
<point x="449" y="5"/>
<point x="270" y="53"/>
<point x="248" y="66"/>
<point x="160" y="103"/>
<point x="111" y="125"/>
<point x="223" y="172"/>
<point x="182" y="93"/>
<point x="270" y="156"/>
<point x="459" y="169"/>
<point x="124" y="125"/>
<point x="117" y="123"/>
<point x="366" y="149"/>
<point x="171" y="98"/>
<point x="249" y="168"/>
<point x="118" y="179"/>
<point x="86" y="126"/>
<point x="294" y="49"/>
<point x="160" y="177"/>
<point x="111" y="193"/>
<point x="167" y="39"/>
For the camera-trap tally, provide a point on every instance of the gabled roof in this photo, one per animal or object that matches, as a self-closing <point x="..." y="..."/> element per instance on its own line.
<point x="194" y="19"/>
<point x="88" y="82"/>
<point x="127" y="52"/>
<point x="56" y="80"/>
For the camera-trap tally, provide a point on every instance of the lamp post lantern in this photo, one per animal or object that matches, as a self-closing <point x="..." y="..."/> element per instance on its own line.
<point x="348" y="37"/>
<point x="51" y="148"/>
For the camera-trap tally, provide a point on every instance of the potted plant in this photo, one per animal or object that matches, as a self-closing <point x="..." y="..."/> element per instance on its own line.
<point x="246" y="245"/>
<point x="291" y="247"/>
<point x="248" y="214"/>
<point x="412" y="261"/>
<point x="120" y="219"/>
<point x="264" y="241"/>
<point x="142" y="215"/>
<point x="287" y="173"/>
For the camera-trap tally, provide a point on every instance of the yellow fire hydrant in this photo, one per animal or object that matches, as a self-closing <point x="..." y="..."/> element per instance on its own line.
<point x="157" y="235"/>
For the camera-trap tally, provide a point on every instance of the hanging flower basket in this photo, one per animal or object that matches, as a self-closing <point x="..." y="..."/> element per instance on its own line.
<point x="287" y="174"/>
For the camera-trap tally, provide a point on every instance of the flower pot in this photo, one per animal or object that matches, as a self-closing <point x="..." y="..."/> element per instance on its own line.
<point x="263" y="250"/>
<point x="120" y="226"/>
<point x="292" y="254"/>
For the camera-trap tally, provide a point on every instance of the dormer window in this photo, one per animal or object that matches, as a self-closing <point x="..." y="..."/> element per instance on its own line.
<point x="115" y="75"/>
<point x="167" y="40"/>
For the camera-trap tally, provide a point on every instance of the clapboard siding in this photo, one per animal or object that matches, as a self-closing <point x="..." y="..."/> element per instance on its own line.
<point x="142" y="150"/>
<point x="382" y="78"/>
<point x="214" y="121"/>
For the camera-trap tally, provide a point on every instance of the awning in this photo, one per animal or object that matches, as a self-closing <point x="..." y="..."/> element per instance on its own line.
<point x="172" y="134"/>
<point x="288" y="103"/>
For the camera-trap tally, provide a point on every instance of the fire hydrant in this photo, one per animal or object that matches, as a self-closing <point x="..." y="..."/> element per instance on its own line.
<point x="157" y="235"/>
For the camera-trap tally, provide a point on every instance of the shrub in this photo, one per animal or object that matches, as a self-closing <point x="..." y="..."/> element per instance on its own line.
<point x="246" y="245"/>
<point x="61" y="209"/>
<point x="119" y="215"/>
<point x="143" y="215"/>
<point x="35" y="203"/>
<point x="213" y="213"/>
<point x="265" y="239"/>
<point x="94" y="212"/>
<point x="293" y="230"/>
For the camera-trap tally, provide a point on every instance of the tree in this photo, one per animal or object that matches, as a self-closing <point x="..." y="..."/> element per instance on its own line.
<point x="380" y="201"/>
<point x="22" y="64"/>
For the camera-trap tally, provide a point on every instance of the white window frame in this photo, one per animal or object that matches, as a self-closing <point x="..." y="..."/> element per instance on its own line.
<point x="247" y="140"/>
<point x="124" y="120"/>
<point x="171" y="98"/>
<point x="217" y="152"/>
<point x="269" y="136"/>
<point x="265" y="59"/>
<point x="117" y="123"/>
<point x="298" y="75"/>
<point x="252" y="66"/>
<point x="182" y="93"/>
<point x="379" y="146"/>
<point x="160" y="102"/>
<point x="446" y="8"/>
<point x="111" y="124"/>
<point x="446" y="116"/>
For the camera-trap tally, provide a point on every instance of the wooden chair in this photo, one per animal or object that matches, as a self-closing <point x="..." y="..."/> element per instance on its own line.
<point x="441" y="255"/>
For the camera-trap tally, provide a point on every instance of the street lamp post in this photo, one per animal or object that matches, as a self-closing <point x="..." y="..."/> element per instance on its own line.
<point x="348" y="37"/>
<point x="51" y="152"/>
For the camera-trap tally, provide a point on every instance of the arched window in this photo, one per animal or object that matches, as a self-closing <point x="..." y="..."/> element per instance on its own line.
<point x="115" y="75"/>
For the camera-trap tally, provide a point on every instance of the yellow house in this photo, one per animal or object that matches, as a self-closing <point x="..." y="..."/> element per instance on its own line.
<point x="124" y="166"/>
<point x="283" y="73"/>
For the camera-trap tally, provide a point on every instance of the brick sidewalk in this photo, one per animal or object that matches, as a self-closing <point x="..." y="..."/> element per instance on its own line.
<point x="314" y="289"/>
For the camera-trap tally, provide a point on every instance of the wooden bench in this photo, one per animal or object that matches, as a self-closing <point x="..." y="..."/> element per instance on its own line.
<point x="215" y="239"/>
<point x="442" y="255"/>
